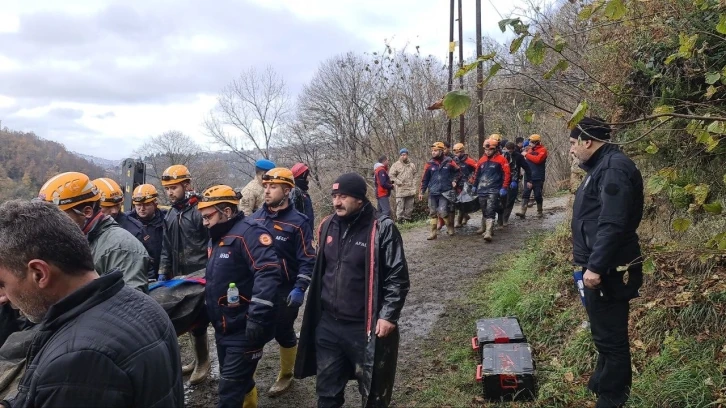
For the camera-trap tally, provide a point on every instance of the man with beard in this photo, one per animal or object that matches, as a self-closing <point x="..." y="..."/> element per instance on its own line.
<point x="241" y="256"/>
<point x="299" y="196"/>
<point x="146" y="210"/>
<point x="111" y="198"/>
<point x="113" y="247"/>
<point x="293" y="242"/>
<point x="184" y="251"/>
<point x="98" y="342"/>
<point x="403" y="176"/>
<point x="359" y="286"/>
<point x="440" y="176"/>
<point x="491" y="180"/>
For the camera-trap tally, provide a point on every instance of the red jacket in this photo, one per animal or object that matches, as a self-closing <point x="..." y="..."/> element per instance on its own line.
<point x="491" y="175"/>
<point x="383" y="182"/>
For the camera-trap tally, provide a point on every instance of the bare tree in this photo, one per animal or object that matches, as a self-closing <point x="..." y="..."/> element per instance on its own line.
<point x="249" y="115"/>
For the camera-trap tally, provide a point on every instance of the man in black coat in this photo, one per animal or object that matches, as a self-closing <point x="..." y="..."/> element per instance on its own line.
<point x="359" y="286"/>
<point x="99" y="342"/>
<point x="607" y="211"/>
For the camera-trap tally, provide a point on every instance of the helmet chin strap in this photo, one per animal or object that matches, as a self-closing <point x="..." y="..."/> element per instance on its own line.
<point x="277" y="204"/>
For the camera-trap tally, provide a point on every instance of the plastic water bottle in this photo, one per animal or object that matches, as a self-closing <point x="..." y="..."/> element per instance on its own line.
<point x="577" y="275"/>
<point x="232" y="295"/>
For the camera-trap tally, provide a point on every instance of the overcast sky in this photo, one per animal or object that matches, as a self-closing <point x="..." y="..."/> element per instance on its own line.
<point x="102" y="76"/>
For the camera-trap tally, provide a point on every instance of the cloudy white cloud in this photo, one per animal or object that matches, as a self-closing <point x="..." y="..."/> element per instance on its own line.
<point x="101" y="76"/>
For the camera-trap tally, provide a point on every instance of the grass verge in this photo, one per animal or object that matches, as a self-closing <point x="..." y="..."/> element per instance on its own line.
<point x="678" y="336"/>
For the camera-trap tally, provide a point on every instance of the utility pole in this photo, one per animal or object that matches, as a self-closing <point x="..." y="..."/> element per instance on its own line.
<point x="479" y="80"/>
<point x="451" y="62"/>
<point x="462" y="136"/>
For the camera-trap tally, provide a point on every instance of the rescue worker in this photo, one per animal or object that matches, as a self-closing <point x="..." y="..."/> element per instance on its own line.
<point x="299" y="196"/>
<point x="293" y="238"/>
<point x="536" y="157"/>
<point x="383" y="186"/>
<point x="113" y="247"/>
<point x="111" y="198"/>
<point x="241" y="252"/>
<point x="491" y="180"/>
<point x="606" y="214"/>
<point x="468" y="166"/>
<point x="253" y="195"/>
<point x="516" y="165"/>
<point x="184" y="251"/>
<point x="359" y="286"/>
<point x="519" y="143"/>
<point x="403" y="175"/>
<point x="440" y="177"/>
<point x="98" y="342"/>
<point x="146" y="210"/>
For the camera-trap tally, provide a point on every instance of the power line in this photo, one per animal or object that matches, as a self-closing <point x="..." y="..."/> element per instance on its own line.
<point x="495" y="9"/>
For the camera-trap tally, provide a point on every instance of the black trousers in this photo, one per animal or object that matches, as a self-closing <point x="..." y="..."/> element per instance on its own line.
<point x="511" y="199"/>
<point x="537" y="186"/>
<point x="286" y="315"/>
<point x="237" y="364"/>
<point x="339" y="346"/>
<point x="608" y="308"/>
<point x="489" y="205"/>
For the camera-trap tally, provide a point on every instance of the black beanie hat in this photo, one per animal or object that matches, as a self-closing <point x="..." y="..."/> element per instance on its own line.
<point x="351" y="184"/>
<point x="591" y="128"/>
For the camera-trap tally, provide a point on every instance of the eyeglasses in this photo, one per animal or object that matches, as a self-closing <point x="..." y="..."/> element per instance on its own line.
<point x="210" y="216"/>
<point x="267" y="177"/>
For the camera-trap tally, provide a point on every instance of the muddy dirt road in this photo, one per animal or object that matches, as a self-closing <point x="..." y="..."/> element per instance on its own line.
<point x="439" y="270"/>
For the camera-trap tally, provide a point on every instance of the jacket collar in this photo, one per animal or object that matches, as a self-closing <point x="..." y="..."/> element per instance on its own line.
<point x="99" y="226"/>
<point x="156" y="220"/>
<point x="275" y="214"/>
<point x="83" y="299"/>
<point x="221" y="229"/>
<point x="596" y="157"/>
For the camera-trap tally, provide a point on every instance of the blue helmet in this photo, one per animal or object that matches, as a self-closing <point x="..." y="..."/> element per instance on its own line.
<point x="402" y="151"/>
<point x="264" y="164"/>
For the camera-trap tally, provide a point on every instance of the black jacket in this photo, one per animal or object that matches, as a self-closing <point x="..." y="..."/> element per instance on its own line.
<point x="385" y="292"/>
<point x="184" y="248"/>
<point x="607" y="212"/>
<point x="303" y="204"/>
<point x="103" y="345"/>
<point x="517" y="163"/>
<point x="153" y="238"/>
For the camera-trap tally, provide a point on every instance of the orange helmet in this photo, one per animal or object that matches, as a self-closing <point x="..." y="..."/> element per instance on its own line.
<point x="279" y="175"/>
<point x="218" y="194"/>
<point x="496" y="136"/>
<point x="111" y="193"/>
<point x="535" y="138"/>
<point x="175" y="174"/>
<point x="145" y="193"/>
<point x="491" y="143"/>
<point x="438" y="146"/>
<point x="67" y="190"/>
<point x="458" y="148"/>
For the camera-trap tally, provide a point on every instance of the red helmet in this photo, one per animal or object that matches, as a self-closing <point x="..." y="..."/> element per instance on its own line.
<point x="299" y="169"/>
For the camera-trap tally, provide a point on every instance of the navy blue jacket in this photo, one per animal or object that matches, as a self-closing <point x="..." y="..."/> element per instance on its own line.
<point x="303" y="204"/>
<point x="293" y="243"/>
<point x="491" y="175"/>
<point x="438" y="176"/>
<point x="241" y="251"/>
<point x="154" y="238"/>
<point x="134" y="226"/>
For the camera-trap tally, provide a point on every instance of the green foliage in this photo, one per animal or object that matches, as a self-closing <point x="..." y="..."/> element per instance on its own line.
<point x="535" y="53"/>
<point x="681" y="224"/>
<point x="561" y="66"/>
<point x="456" y="103"/>
<point x="577" y="115"/>
<point x="469" y="67"/>
<point x="615" y="9"/>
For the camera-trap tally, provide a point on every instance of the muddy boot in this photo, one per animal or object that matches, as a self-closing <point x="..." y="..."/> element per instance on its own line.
<point x="439" y="223"/>
<point x="482" y="228"/>
<point x="506" y="220"/>
<point x="250" y="399"/>
<point x="488" y="232"/>
<point x="284" y="379"/>
<point x="188" y="368"/>
<point x="522" y="213"/>
<point x="201" y="355"/>
<point x="434" y="229"/>
<point x="450" y="225"/>
<point x="540" y="214"/>
<point x="459" y="221"/>
<point x="500" y="220"/>
<point x="466" y="219"/>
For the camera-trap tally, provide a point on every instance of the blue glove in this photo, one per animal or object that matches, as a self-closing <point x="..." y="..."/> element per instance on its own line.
<point x="254" y="332"/>
<point x="296" y="298"/>
<point x="513" y="185"/>
<point x="162" y="277"/>
<point x="502" y="192"/>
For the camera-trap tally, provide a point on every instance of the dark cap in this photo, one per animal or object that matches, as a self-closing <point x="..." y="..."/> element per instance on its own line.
<point x="591" y="129"/>
<point x="350" y="184"/>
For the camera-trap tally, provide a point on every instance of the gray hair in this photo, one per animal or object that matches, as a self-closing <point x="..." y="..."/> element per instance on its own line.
<point x="40" y="230"/>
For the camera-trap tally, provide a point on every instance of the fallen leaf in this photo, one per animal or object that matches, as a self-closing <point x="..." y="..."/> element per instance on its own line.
<point x="569" y="377"/>
<point x="708" y="381"/>
<point x="639" y="344"/>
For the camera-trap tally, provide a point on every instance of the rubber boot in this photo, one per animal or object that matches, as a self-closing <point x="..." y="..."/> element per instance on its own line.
<point x="450" y="224"/>
<point x="439" y="223"/>
<point x="459" y="220"/>
<point x="202" y="363"/>
<point x="506" y="218"/>
<point x="466" y="219"/>
<point x="540" y="214"/>
<point x="284" y="379"/>
<point x="500" y="219"/>
<point x="188" y="368"/>
<point x="488" y="232"/>
<point x="522" y="213"/>
<point x="434" y="229"/>
<point x="250" y="399"/>
<point x="482" y="228"/>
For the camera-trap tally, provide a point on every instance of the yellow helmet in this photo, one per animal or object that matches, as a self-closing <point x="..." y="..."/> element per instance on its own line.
<point x="279" y="175"/>
<point x="68" y="190"/>
<point x="438" y="146"/>
<point x="218" y="194"/>
<point x="144" y="193"/>
<point x="175" y="174"/>
<point x="535" y="138"/>
<point x="496" y="136"/>
<point x="491" y="143"/>
<point x="459" y="147"/>
<point x="111" y="193"/>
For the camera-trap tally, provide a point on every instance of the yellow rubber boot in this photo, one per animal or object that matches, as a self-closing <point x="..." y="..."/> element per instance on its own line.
<point x="250" y="399"/>
<point x="284" y="379"/>
<point x="434" y="230"/>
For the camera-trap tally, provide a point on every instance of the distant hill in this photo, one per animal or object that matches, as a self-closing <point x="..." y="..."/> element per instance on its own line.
<point x="28" y="161"/>
<point x="101" y="162"/>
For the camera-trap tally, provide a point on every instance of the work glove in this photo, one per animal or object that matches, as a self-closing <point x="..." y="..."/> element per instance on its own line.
<point x="502" y="192"/>
<point x="513" y="185"/>
<point x="296" y="298"/>
<point x="254" y="332"/>
<point x="162" y="277"/>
